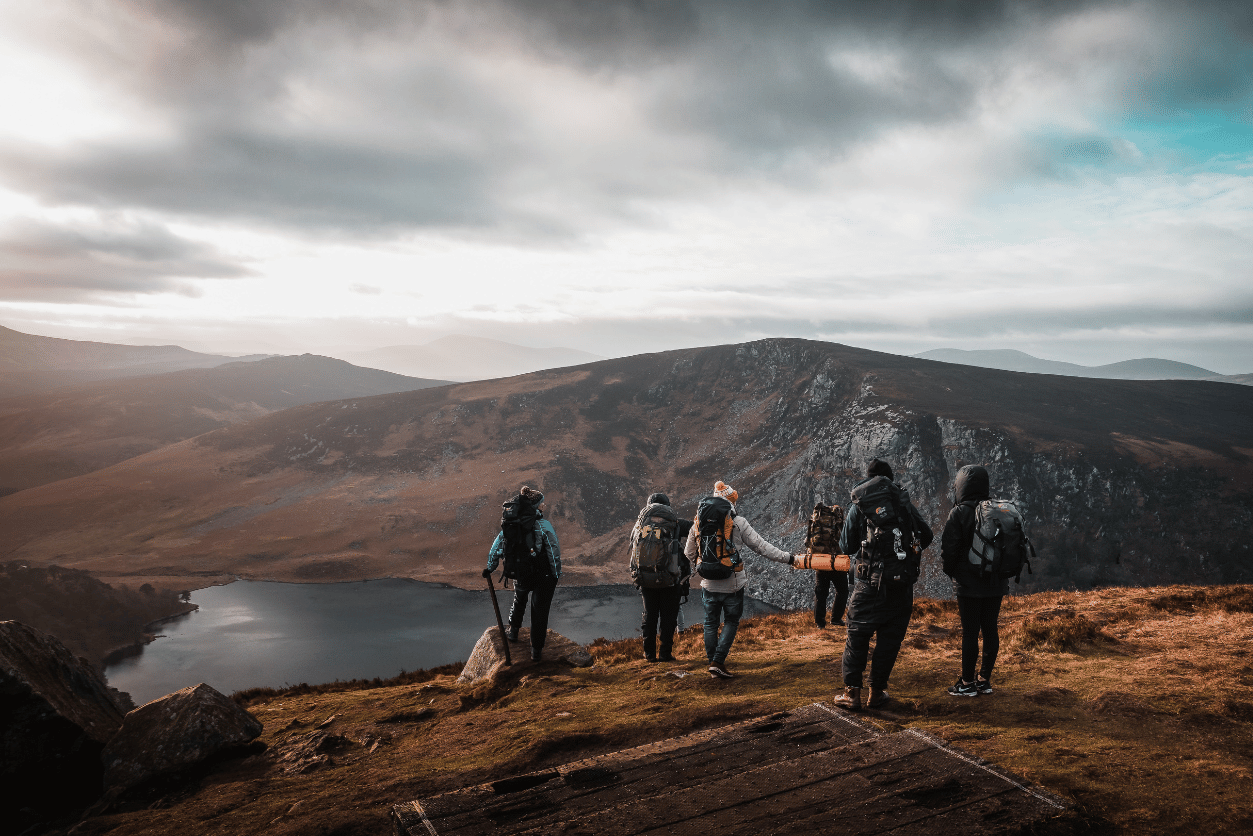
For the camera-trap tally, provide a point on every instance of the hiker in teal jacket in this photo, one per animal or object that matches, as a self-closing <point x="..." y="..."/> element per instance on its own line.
<point x="539" y="586"/>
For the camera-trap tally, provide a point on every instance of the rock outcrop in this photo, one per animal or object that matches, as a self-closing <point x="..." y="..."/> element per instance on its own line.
<point x="175" y="732"/>
<point x="58" y="713"/>
<point x="487" y="660"/>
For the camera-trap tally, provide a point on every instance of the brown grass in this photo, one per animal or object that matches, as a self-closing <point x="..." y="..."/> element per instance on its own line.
<point x="1137" y="705"/>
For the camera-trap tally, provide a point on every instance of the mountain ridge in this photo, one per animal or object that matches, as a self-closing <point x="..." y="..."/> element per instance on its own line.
<point x="84" y="427"/>
<point x="1124" y="481"/>
<point x="1009" y="359"/>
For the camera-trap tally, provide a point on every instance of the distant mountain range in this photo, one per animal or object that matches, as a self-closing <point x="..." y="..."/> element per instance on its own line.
<point x="1149" y="368"/>
<point x="465" y="358"/>
<point x="30" y="363"/>
<point x="1123" y="481"/>
<point x="80" y="428"/>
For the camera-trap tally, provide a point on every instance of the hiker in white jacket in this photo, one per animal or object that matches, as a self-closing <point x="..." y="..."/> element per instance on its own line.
<point x="724" y="598"/>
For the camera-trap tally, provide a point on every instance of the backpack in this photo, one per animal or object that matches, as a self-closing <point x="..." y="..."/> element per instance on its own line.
<point x="525" y="547"/>
<point x="823" y="534"/>
<point x="1000" y="546"/>
<point x="888" y="552"/>
<point x="656" y="550"/>
<point x="717" y="558"/>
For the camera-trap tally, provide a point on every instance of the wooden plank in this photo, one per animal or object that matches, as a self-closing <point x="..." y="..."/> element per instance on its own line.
<point x="726" y="798"/>
<point x="645" y="769"/>
<point x="813" y="770"/>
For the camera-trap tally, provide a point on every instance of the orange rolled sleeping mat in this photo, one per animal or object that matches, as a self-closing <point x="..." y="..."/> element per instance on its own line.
<point x="821" y="562"/>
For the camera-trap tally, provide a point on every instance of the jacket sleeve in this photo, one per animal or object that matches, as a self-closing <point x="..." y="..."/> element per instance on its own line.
<point x="854" y="531"/>
<point x="925" y="535"/>
<point x="496" y="552"/>
<point x="689" y="548"/>
<point x="951" y="539"/>
<point x="554" y="548"/>
<point x="758" y="543"/>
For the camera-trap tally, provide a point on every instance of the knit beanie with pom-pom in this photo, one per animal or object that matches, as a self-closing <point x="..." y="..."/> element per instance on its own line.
<point x="727" y="492"/>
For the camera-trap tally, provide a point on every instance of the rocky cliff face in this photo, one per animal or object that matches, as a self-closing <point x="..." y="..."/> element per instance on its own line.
<point x="1129" y="482"/>
<point x="58" y="714"/>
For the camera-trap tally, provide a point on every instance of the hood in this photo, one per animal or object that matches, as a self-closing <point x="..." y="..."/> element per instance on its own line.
<point x="657" y="509"/>
<point x="971" y="484"/>
<point x="878" y="467"/>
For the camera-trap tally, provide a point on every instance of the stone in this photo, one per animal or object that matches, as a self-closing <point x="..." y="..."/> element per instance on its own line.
<point x="58" y="714"/>
<point x="174" y="732"/>
<point x="305" y="753"/>
<point x="487" y="660"/>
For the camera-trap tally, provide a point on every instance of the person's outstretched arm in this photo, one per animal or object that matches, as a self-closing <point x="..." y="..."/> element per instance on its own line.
<point x="758" y="543"/>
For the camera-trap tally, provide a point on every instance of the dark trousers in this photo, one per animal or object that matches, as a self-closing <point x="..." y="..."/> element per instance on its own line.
<point x="660" y="605"/>
<point x="884" y="615"/>
<point x="725" y="608"/>
<point x="541" y="598"/>
<point x="979" y="615"/>
<point x="822" y="586"/>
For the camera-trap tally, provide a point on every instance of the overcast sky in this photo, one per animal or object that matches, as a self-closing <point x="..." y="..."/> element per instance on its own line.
<point x="1071" y="179"/>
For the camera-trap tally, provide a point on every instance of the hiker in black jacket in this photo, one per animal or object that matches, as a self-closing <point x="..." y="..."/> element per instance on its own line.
<point x="661" y="605"/>
<point x="878" y="605"/>
<point x="978" y="596"/>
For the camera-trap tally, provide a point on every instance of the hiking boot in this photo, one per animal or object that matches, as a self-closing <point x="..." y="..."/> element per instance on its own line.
<point x="850" y="700"/>
<point x="666" y="656"/>
<point x="984" y="685"/>
<point x="719" y="671"/>
<point x="513" y="634"/>
<point x="537" y="653"/>
<point x="963" y="689"/>
<point x="878" y="698"/>
<point x="648" y="657"/>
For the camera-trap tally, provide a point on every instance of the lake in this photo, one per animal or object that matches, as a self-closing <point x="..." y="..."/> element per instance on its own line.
<point x="260" y="633"/>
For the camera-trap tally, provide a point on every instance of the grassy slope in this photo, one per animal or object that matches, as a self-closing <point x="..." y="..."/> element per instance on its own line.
<point x="1136" y="704"/>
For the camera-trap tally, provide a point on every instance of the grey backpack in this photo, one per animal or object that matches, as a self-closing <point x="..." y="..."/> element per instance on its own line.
<point x="1000" y="547"/>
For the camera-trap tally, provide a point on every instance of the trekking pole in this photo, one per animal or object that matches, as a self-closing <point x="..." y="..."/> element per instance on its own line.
<point x="500" y="622"/>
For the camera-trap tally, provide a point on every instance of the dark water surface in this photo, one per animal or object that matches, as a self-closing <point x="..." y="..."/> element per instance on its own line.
<point x="261" y="633"/>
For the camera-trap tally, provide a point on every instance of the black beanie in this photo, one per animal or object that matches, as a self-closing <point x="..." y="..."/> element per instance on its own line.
<point x="878" y="467"/>
<point x="658" y="499"/>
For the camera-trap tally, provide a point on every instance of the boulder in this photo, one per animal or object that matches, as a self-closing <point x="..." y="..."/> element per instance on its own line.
<point x="175" y="732"/>
<point x="487" y="660"/>
<point x="58" y="713"/>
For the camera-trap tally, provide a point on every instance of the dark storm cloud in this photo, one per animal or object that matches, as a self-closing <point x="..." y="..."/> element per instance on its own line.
<point x="438" y="141"/>
<point x="41" y="261"/>
<point x="299" y="181"/>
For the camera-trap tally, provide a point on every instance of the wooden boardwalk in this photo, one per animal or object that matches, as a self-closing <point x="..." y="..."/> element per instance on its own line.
<point x="814" y="770"/>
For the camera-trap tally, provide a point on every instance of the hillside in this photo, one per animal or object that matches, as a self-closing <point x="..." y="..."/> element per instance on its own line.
<point x="1148" y="368"/>
<point x="79" y="429"/>
<point x="1134" y="705"/>
<point x="1124" y="482"/>
<point x="30" y="364"/>
<point x="91" y="618"/>
<point x="464" y="358"/>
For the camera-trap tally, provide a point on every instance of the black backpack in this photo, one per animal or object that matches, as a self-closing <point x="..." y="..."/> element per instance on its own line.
<point x="1000" y="544"/>
<point x="889" y="552"/>
<point x="656" y="551"/>
<point x="525" y="547"/>
<point x="715" y="532"/>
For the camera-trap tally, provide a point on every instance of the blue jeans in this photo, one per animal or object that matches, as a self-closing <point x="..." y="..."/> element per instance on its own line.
<point x="726" y="607"/>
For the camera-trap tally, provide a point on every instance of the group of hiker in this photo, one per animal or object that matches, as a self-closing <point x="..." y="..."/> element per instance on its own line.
<point x="880" y="540"/>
